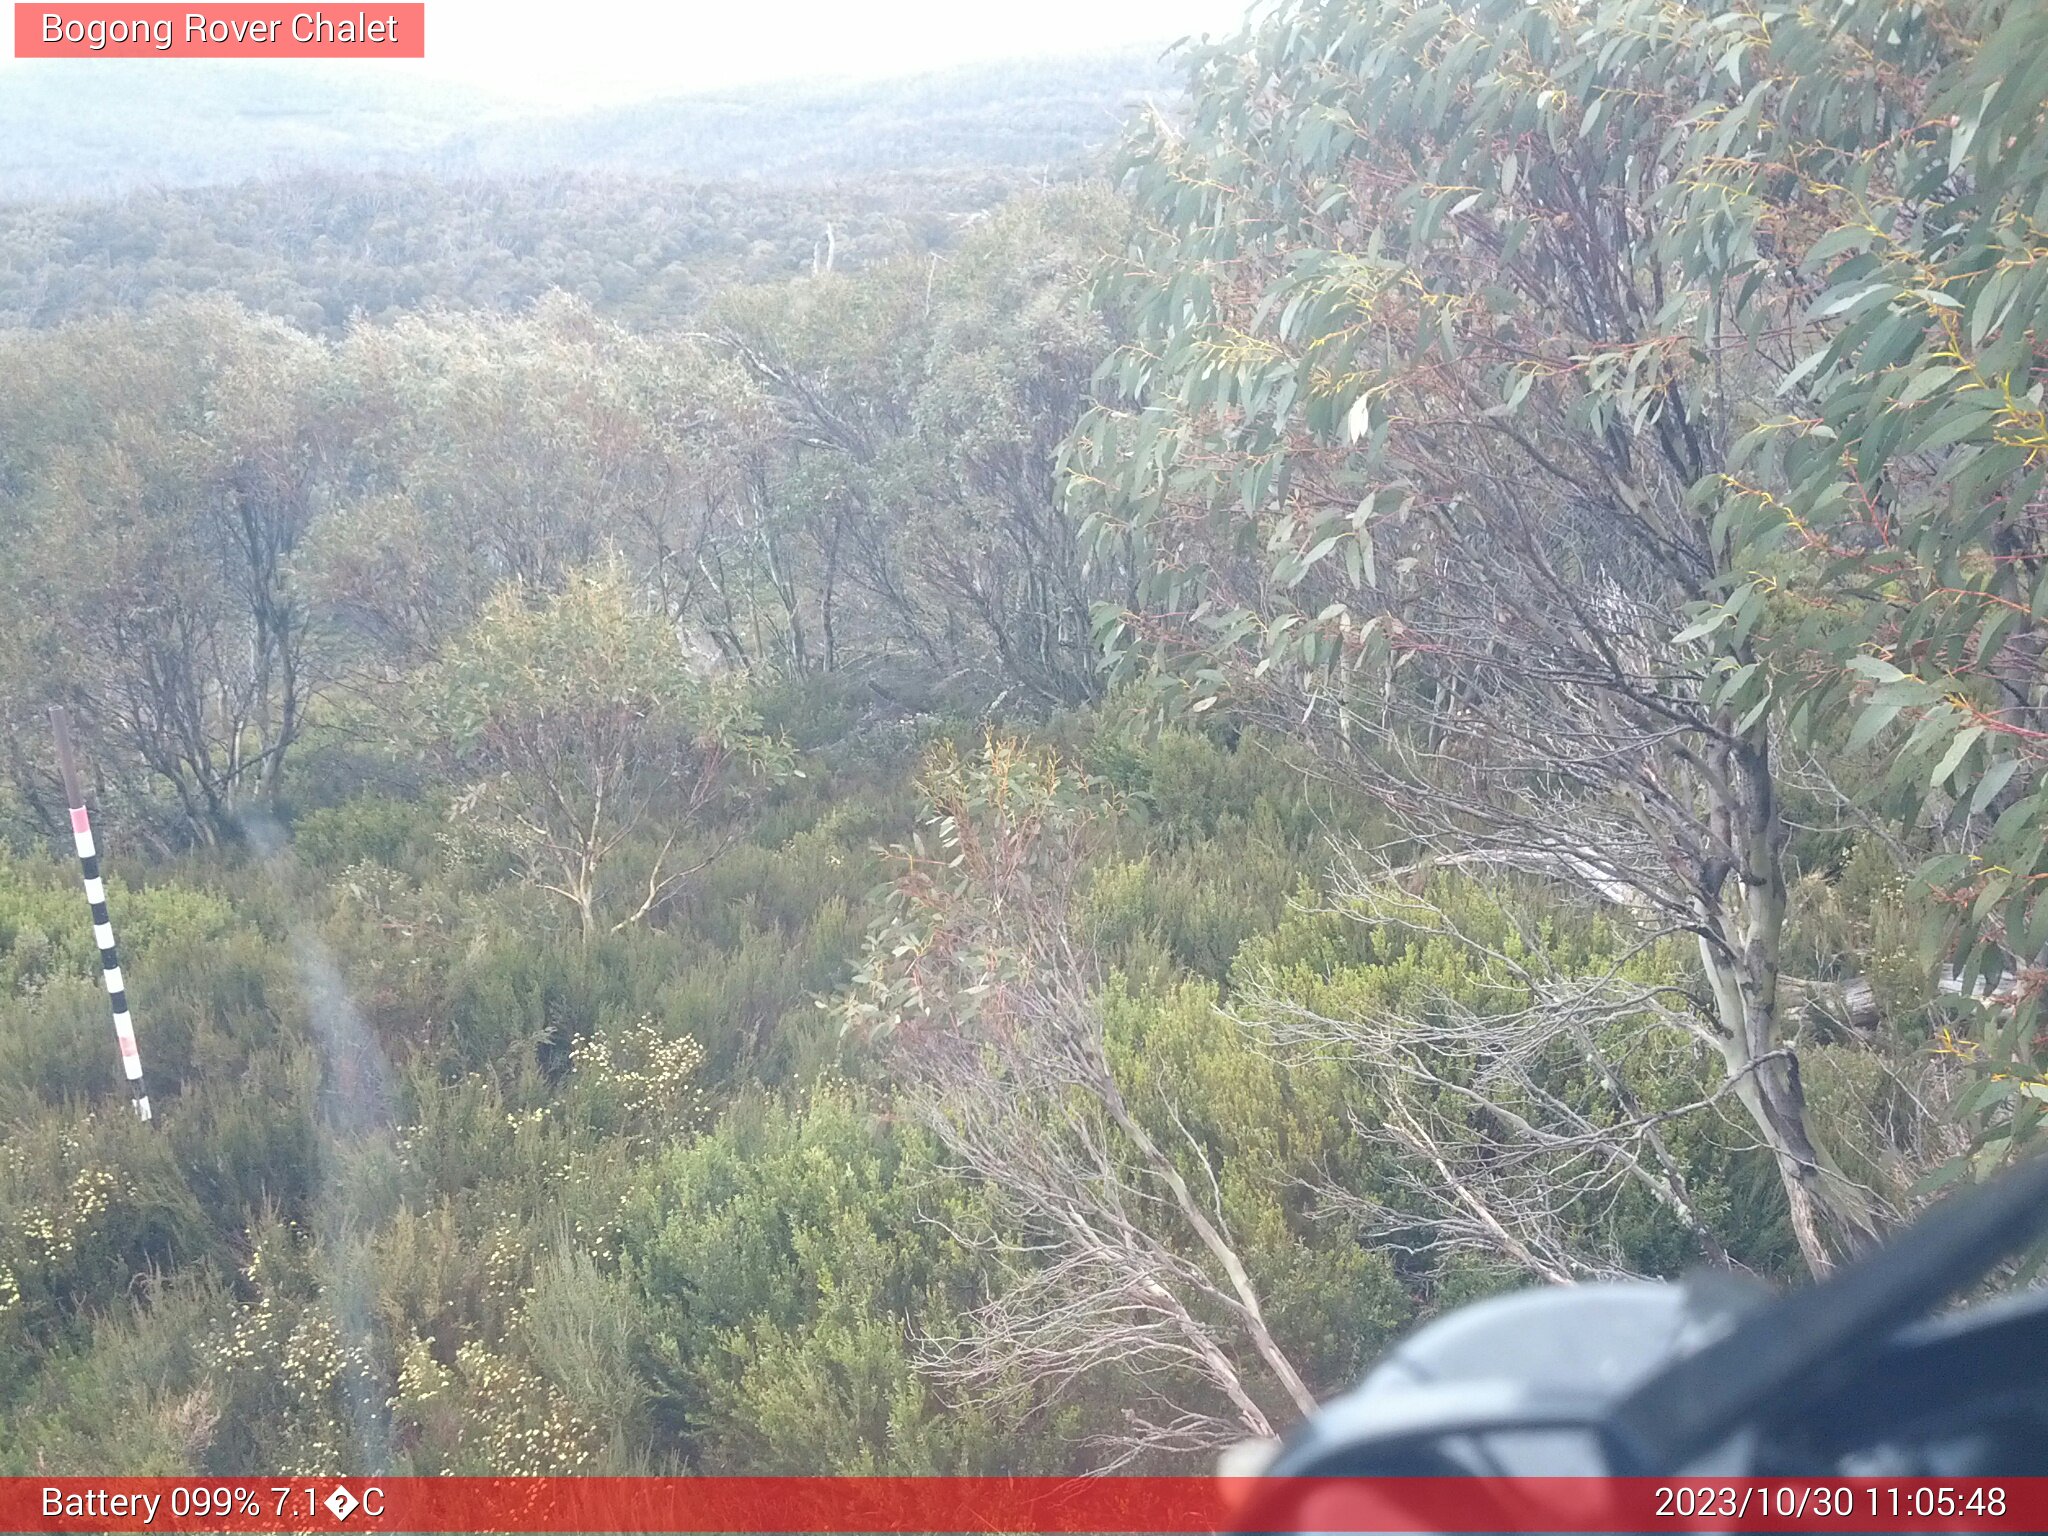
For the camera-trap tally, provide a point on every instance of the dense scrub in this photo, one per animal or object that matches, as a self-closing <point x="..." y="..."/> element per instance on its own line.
<point x="1014" y="857"/>
<point x="440" y="1185"/>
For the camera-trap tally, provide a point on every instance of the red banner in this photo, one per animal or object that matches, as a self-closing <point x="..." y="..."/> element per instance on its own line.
<point x="232" y="31"/>
<point x="985" y="1504"/>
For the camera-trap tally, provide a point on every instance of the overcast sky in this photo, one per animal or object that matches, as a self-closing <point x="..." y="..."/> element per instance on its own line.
<point x="588" y="49"/>
<point x="584" y="52"/>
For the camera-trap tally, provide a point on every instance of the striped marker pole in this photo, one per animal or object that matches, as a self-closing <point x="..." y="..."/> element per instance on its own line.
<point x="102" y="929"/>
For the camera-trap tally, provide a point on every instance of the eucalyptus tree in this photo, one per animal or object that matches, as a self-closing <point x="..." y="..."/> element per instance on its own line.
<point x="489" y="449"/>
<point x="1896" y="498"/>
<point x="1013" y="342"/>
<point x="835" y="357"/>
<point x="909" y="506"/>
<point x="1447" y="316"/>
<point x="163" y="474"/>
<point x="586" y="744"/>
<point x="1108" y="1213"/>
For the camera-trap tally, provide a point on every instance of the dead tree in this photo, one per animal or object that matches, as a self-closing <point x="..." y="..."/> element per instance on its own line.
<point x="1506" y="1120"/>
<point x="1107" y="1224"/>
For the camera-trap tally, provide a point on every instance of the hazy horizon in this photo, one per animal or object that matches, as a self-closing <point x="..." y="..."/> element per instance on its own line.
<point x="613" y="51"/>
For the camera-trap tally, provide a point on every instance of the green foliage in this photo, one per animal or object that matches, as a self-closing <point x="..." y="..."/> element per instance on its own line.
<point x="990" y="865"/>
<point x="180" y="453"/>
<point x="619" y="1222"/>
<point x="725" y="970"/>
<point x="916" y="406"/>
<point x="1215" y="845"/>
<point x="1451" y="438"/>
<point x="369" y="828"/>
<point x="575" y="714"/>
<point x="123" y="1395"/>
<point x="1906" y="478"/>
<point x="1307" y="329"/>
<point x="789" y="1261"/>
<point x="1267" y="1129"/>
<point x="1350" y="963"/>
<point x="87" y="1204"/>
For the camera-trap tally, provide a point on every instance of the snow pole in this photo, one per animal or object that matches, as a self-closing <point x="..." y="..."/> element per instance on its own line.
<point x="102" y="928"/>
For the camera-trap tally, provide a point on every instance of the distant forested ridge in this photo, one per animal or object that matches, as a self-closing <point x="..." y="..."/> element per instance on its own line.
<point x="298" y="197"/>
<point x="102" y="128"/>
<point x="994" y="822"/>
<point x="316" y="249"/>
<point x="1022" y="114"/>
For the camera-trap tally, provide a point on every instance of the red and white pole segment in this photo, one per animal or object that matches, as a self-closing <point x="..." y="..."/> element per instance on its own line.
<point x="102" y="927"/>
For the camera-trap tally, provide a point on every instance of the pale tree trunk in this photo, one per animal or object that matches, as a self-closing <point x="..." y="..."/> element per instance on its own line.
<point x="1741" y="949"/>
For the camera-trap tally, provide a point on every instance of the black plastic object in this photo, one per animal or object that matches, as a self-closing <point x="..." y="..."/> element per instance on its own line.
<point x="1715" y="1376"/>
<point x="1815" y="1341"/>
